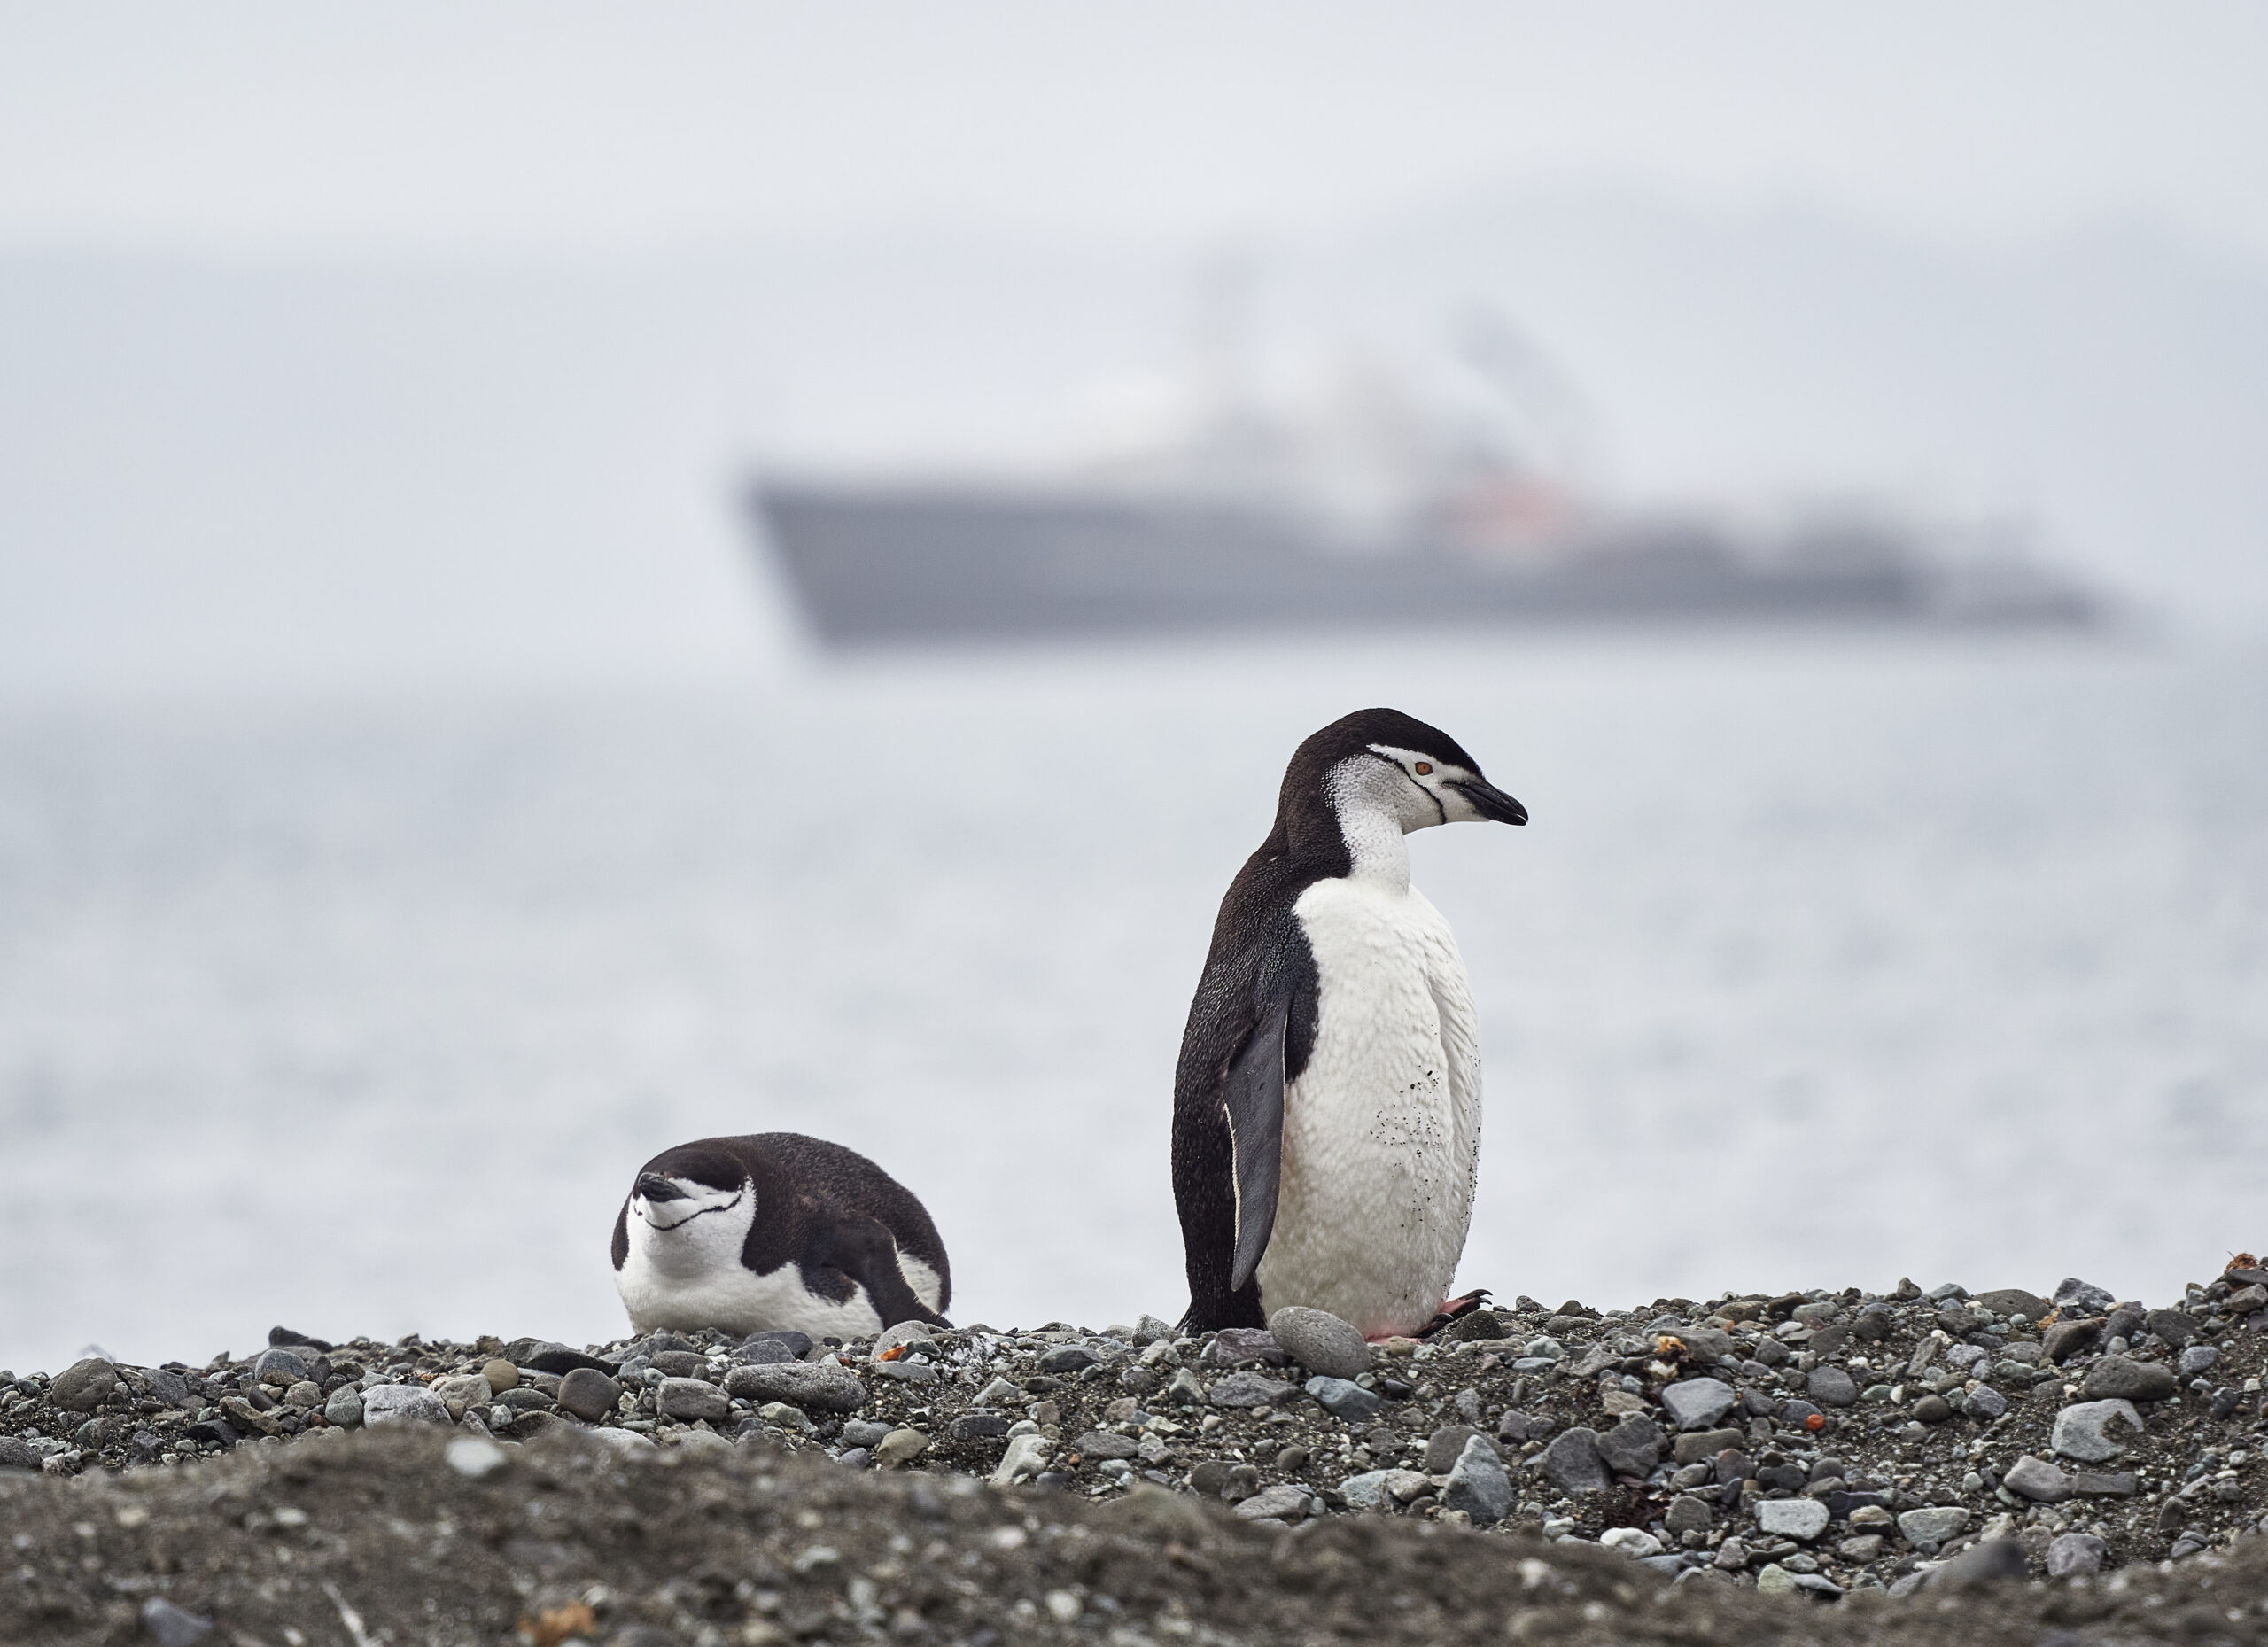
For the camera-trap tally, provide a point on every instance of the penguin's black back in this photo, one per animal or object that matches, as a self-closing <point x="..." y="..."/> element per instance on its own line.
<point x="803" y="1186"/>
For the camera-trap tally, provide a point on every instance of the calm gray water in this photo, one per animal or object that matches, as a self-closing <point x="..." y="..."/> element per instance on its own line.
<point x="1822" y="962"/>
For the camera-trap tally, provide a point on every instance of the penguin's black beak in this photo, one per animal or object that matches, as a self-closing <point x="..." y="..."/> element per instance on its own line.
<point x="652" y="1186"/>
<point x="1491" y="802"/>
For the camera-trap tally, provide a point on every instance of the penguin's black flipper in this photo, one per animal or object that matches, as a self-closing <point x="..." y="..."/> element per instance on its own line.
<point x="1253" y="1095"/>
<point x="865" y="1250"/>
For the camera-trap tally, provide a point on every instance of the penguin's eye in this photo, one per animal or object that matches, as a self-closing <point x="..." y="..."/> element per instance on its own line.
<point x="1425" y="766"/>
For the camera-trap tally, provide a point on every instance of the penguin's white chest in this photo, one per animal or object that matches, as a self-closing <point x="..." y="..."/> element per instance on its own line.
<point x="1382" y="1129"/>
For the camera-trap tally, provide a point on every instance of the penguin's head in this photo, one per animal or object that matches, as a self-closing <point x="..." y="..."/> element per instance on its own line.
<point x="677" y="1191"/>
<point x="1381" y="764"/>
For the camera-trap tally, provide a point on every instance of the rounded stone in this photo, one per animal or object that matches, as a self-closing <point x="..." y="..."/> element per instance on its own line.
<point x="827" y="1386"/>
<point x="689" y="1400"/>
<point x="1323" y="1343"/>
<point x="345" y="1408"/>
<point x="84" y="1385"/>
<point x="588" y="1394"/>
<point x="501" y="1374"/>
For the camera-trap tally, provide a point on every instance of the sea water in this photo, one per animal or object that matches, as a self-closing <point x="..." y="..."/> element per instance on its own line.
<point x="1822" y="961"/>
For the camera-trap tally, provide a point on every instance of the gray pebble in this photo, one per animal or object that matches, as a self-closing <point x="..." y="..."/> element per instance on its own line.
<point x="2037" y="1479"/>
<point x="824" y="1384"/>
<point x="1632" y="1446"/>
<point x="1985" y="1403"/>
<point x="345" y="1406"/>
<point x="83" y="1386"/>
<point x="1343" y="1400"/>
<point x="16" y="1454"/>
<point x="402" y="1403"/>
<point x="1696" y="1403"/>
<point x="1281" y="1503"/>
<point x="2136" y="1381"/>
<point x="1243" y="1347"/>
<point x="2083" y="1431"/>
<point x="170" y="1625"/>
<point x="1247" y="1389"/>
<point x="1067" y="1358"/>
<point x="1831" y="1386"/>
<point x="2195" y="1359"/>
<point x="687" y="1400"/>
<point x="869" y="1433"/>
<point x="1321" y="1342"/>
<point x="2074" y="1554"/>
<point x="1571" y="1461"/>
<point x="1106" y="1444"/>
<point x="588" y="1394"/>
<point x="1933" y="1524"/>
<point x="1477" y="1484"/>
<point x="2082" y="1298"/>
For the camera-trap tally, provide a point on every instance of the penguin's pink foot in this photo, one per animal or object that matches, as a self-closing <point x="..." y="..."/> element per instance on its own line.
<point x="1454" y="1309"/>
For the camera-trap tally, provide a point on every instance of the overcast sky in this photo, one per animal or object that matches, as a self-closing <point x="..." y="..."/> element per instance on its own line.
<point x="253" y="127"/>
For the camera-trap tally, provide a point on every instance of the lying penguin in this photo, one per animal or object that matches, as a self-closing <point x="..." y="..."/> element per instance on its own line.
<point x="776" y="1230"/>
<point x="1326" y="1125"/>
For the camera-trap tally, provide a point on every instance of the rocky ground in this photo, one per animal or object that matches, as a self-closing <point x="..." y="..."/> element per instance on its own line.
<point x="1821" y="1466"/>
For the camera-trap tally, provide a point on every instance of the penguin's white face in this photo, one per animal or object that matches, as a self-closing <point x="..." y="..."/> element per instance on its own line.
<point x="665" y="1203"/>
<point x="1422" y="790"/>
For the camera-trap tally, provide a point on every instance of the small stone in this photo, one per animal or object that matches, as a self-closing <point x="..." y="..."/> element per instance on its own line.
<point x="2067" y="1339"/>
<point x="689" y="1400"/>
<point x="911" y="1332"/>
<point x="83" y="1386"/>
<point x="1067" y="1358"/>
<point x="1986" y="1404"/>
<point x="1731" y="1555"/>
<point x="343" y="1408"/>
<point x="1831" y="1386"/>
<point x="1479" y="1485"/>
<point x="1243" y="1347"/>
<point x="170" y="1625"/>
<point x="473" y="1457"/>
<point x="1798" y="1414"/>
<point x="2037" y="1479"/>
<point x="1247" y="1389"/>
<point x="1106" y="1444"/>
<point x="2175" y="1326"/>
<point x="588" y="1394"/>
<point x="1932" y="1409"/>
<point x="2083" y="1430"/>
<point x="1321" y="1342"/>
<point x="798" y="1345"/>
<point x="1633" y="1542"/>
<point x="501" y="1374"/>
<point x="1285" y="1501"/>
<point x="1861" y="1548"/>
<point x="1689" y="1514"/>
<point x="1774" y="1580"/>
<point x="305" y="1397"/>
<point x="976" y="1425"/>
<point x="1403" y="1485"/>
<point x="457" y="1392"/>
<point x="1366" y="1491"/>
<point x="1572" y="1463"/>
<point x="2073" y="1555"/>
<point x="2013" y="1301"/>
<point x="1870" y="1516"/>
<point x="782" y="1414"/>
<point x="1695" y="1404"/>
<point x="866" y="1432"/>
<point x="1703" y="1446"/>
<point x="1933" y="1524"/>
<point x="399" y="1403"/>
<point x="1445" y="1445"/>
<point x="827" y="1386"/>
<point x="999" y="1392"/>
<point x="1990" y="1561"/>
<point x="2082" y="1297"/>
<point x="763" y="1352"/>
<point x="900" y="1447"/>
<point x="1027" y="1456"/>
<point x="279" y="1367"/>
<point x="1632" y="1446"/>
<point x="16" y="1454"/>
<point x="906" y="1371"/>
<point x="2104" y="1484"/>
<point x="1802" y="1520"/>
<point x="2196" y="1359"/>
<point x="1345" y="1400"/>
<point x="545" y="1355"/>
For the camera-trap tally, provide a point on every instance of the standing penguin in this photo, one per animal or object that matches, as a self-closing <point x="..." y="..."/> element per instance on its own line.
<point x="1326" y="1124"/>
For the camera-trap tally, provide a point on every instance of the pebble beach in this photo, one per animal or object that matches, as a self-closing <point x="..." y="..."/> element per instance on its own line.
<point x="1840" y="1452"/>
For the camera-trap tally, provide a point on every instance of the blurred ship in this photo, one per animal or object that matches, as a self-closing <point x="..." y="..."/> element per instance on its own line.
<point x="1382" y="501"/>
